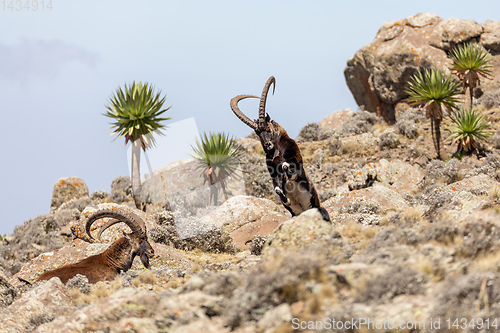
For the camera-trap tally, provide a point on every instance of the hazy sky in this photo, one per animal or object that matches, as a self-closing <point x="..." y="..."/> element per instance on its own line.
<point x="58" y="68"/>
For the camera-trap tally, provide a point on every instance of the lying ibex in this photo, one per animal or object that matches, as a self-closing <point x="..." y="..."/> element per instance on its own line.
<point x="118" y="257"/>
<point x="291" y="181"/>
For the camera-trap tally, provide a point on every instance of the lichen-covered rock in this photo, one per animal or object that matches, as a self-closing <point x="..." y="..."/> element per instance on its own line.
<point x="490" y="38"/>
<point x="121" y="189"/>
<point x="313" y="132"/>
<point x="66" y="189"/>
<point x="376" y="199"/>
<point x="459" y="199"/>
<point x="135" y="309"/>
<point x="336" y="119"/>
<point x="243" y="217"/>
<point x="452" y="31"/>
<point x="303" y="231"/>
<point x="378" y="73"/>
<point x="41" y="304"/>
<point x="397" y="175"/>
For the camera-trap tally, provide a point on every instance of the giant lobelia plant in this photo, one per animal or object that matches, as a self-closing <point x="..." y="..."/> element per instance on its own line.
<point x="434" y="91"/>
<point x="136" y="113"/>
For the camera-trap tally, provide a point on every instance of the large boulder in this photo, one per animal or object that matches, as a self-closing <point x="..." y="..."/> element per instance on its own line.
<point x="308" y="231"/>
<point x="397" y="175"/>
<point x="66" y="189"/>
<point x="39" y="305"/>
<point x="244" y="217"/>
<point x="378" y="73"/>
<point x="336" y="119"/>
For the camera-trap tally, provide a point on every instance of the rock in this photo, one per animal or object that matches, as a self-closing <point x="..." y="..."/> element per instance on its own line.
<point x="121" y="189"/>
<point x="104" y="313"/>
<point x="490" y="38"/>
<point x="66" y="189"/>
<point x="204" y="325"/>
<point x="397" y="175"/>
<point x="461" y="199"/>
<point x="243" y="217"/>
<point x="250" y="145"/>
<point x="352" y="144"/>
<point x="41" y="304"/>
<point x="313" y="132"/>
<point x="365" y="206"/>
<point x="275" y="317"/>
<point x="335" y="120"/>
<point x="177" y="178"/>
<point x="450" y="32"/>
<point x="378" y="73"/>
<point x="303" y="231"/>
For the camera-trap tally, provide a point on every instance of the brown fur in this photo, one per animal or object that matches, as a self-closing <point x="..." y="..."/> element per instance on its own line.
<point x="284" y="161"/>
<point x="117" y="258"/>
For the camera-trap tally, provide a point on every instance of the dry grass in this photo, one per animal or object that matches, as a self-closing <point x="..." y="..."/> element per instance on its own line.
<point x="202" y="259"/>
<point x="431" y="269"/>
<point x="487" y="263"/>
<point x="494" y="192"/>
<point x="357" y="234"/>
<point x="97" y="291"/>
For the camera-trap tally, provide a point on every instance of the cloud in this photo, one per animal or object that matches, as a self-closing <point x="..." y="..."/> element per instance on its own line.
<point x="40" y="58"/>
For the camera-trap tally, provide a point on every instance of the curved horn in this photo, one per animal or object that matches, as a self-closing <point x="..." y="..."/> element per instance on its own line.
<point x="239" y="114"/>
<point x="135" y="223"/>
<point x="263" y="99"/>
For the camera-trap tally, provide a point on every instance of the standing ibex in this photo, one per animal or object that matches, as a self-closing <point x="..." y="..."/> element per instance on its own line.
<point x="118" y="257"/>
<point x="284" y="162"/>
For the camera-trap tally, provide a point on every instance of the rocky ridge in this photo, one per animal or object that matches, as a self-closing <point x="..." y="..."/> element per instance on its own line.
<point x="411" y="238"/>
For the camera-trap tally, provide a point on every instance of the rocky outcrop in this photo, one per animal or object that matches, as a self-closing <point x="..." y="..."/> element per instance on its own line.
<point x="240" y="217"/>
<point x="336" y="119"/>
<point x="66" y="189"/>
<point x="378" y="73"/>
<point x="36" y="307"/>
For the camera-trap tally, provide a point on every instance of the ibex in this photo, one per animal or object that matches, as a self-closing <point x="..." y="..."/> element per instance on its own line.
<point x="291" y="181"/>
<point x="118" y="257"/>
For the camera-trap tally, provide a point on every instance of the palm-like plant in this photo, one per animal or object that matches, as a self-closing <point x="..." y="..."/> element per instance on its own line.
<point x="433" y="91"/>
<point x="469" y="63"/>
<point x="136" y="113"/>
<point x="467" y="128"/>
<point x="217" y="156"/>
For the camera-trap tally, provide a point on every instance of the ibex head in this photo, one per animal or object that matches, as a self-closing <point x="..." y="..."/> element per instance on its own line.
<point x="137" y="238"/>
<point x="268" y="130"/>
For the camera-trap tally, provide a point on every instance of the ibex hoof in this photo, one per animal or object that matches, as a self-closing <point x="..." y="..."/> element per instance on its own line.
<point x="278" y="191"/>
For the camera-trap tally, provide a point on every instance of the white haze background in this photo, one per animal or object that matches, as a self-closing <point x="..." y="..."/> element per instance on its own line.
<point x="59" y="67"/>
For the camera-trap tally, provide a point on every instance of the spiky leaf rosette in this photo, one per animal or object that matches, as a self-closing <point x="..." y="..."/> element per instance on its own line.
<point x="468" y="127"/>
<point x="218" y="157"/>
<point x="136" y="112"/>
<point x="469" y="63"/>
<point x="433" y="91"/>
